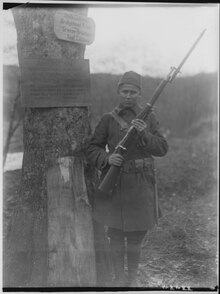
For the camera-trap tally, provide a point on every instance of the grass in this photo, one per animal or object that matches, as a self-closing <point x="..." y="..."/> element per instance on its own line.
<point x="182" y="250"/>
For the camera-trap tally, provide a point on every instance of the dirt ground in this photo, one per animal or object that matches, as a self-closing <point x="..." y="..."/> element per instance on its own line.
<point x="181" y="252"/>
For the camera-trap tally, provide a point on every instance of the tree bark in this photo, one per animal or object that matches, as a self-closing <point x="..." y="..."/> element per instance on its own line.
<point x="50" y="242"/>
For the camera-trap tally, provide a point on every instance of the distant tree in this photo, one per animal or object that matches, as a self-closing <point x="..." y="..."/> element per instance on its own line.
<point x="13" y="125"/>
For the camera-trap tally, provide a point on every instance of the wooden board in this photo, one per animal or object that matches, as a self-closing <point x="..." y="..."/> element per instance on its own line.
<point x="47" y="82"/>
<point x="74" y="27"/>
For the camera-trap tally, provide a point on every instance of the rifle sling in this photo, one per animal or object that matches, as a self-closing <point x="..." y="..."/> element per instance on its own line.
<point x="124" y="125"/>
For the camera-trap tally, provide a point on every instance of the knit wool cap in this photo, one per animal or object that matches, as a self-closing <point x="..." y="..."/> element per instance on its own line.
<point x="132" y="78"/>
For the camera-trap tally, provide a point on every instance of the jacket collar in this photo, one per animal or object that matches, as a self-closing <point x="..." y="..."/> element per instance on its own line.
<point x="136" y="109"/>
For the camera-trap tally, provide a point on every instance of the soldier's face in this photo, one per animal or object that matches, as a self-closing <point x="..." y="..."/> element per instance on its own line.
<point x="129" y="94"/>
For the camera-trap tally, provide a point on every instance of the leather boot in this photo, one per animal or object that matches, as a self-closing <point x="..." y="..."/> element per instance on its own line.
<point x="133" y="256"/>
<point x="118" y="255"/>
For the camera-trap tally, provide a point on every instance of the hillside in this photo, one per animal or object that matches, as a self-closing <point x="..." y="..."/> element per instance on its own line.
<point x="185" y="108"/>
<point x="182" y="104"/>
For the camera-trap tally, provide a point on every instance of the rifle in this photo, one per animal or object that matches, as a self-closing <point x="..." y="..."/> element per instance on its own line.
<point x="108" y="183"/>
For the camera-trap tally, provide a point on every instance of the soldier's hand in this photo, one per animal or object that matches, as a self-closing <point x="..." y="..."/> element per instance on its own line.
<point x="115" y="159"/>
<point x="139" y="125"/>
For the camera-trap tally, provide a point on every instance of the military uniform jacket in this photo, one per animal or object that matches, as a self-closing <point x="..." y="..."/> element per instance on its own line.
<point x="131" y="207"/>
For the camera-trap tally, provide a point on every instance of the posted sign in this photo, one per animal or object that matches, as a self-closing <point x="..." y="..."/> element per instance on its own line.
<point x="55" y="82"/>
<point x="74" y="27"/>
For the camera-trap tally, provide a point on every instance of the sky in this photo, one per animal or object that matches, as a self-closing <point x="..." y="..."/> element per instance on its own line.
<point x="145" y="38"/>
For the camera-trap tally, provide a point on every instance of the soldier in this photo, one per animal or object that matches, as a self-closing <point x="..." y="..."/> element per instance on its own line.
<point x="131" y="210"/>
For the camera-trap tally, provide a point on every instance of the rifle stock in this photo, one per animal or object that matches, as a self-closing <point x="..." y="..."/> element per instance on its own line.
<point x="110" y="179"/>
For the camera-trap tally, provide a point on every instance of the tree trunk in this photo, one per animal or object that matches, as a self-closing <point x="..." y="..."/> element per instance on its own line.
<point x="50" y="242"/>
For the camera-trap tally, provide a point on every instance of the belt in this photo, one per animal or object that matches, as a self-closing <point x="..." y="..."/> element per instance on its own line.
<point x="137" y="165"/>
